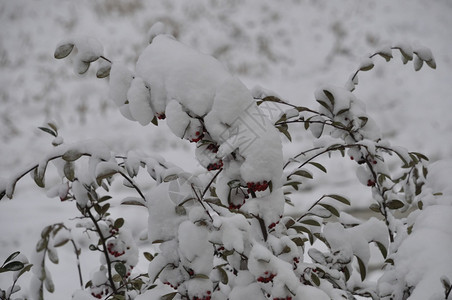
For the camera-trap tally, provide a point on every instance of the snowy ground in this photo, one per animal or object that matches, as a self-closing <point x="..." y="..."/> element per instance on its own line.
<point x="291" y="47"/>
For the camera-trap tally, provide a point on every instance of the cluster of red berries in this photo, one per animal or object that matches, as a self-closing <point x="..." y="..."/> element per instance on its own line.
<point x="113" y="231"/>
<point x="171" y="285"/>
<point x="370" y="182"/>
<point x="99" y="295"/>
<point x="199" y="136"/>
<point x="267" y="278"/>
<point x="206" y="297"/>
<point x="233" y="206"/>
<point x="257" y="186"/>
<point x="296" y="260"/>
<point x="213" y="148"/>
<point x="112" y="251"/>
<point x="161" y="116"/>
<point x="286" y="298"/>
<point x="273" y="225"/>
<point x="215" y="166"/>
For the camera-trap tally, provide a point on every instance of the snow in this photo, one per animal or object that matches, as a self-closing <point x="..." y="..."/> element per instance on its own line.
<point x="283" y="47"/>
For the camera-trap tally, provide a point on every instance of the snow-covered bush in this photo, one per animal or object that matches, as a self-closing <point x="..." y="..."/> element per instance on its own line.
<point x="224" y="233"/>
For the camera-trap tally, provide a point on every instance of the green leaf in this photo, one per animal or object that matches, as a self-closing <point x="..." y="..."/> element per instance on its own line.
<point x="12" y="266"/>
<point x="310" y="222"/>
<point x="329" y="96"/>
<point x="155" y="121"/>
<point x="319" y="166"/>
<point x="223" y="275"/>
<point x="49" y="131"/>
<point x="395" y="204"/>
<point x="201" y="276"/>
<point x="315" y="279"/>
<point x="69" y="171"/>
<point x="121" y="269"/>
<point x="324" y="104"/>
<point x="284" y="129"/>
<point x="71" y="155"/>
<point x="148" y="256"/>
<point x="346" y="273"/>
<point x="383" y="249"/>
<point x="63" y="50"/>
<point x="300" y="228"/>
<point x="11" y="257"/>
<point x="294" y="184"/>
<point x="289" y="223"/>
<point x="118" y="223"/>
<point x="331" y="209"/>
<point x="38" y="178"/>
<point x="299" y="241"/>
<point x="169" y="296"/>
<point x="170" y="178"/>
<point x="104" y="209"/>
<point x="103" y="71"/>
<point x="339" y="198"/>
<point x="303" y="173"/>
<point x="446" y="283"/>
<point x="420" y="155"/>
<point x="420" y="204"/>
<point x="362" y="268"/>
<point x="117" y="278"/>
<point x="375" y="207"/>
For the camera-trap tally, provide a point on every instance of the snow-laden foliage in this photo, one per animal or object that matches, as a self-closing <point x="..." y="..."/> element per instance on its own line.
<point x="224" y="233"/>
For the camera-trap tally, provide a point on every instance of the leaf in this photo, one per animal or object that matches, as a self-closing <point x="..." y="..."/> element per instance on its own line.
<point x="330" y="97"/>
<point x="12" y="266"/>
<point x="339" y="198"/>
<point x="303" y="173"/>
<point x="420" y="204"/>
<point x="121" y="269"/>
<point x="71" y="155"/>
<point x="315" y="279"/>
<point x="310" y="222"/>
<point x="133" y="201"/>
<point x="362" y="268"/>
<point x="299" y="241"/>
<point x="331" y="209"/>
<point x="293" y="184"/>
<point x="117" y="278"/>
<point x="283" y="129"/>
<point x="395" y="204"/>
<point x="319" y="166"/>
<point x="69" y="171"/>
<point x="201" y="276"/>
<point x="148" y="256"/>
<point x="63" y="50"/>
<point x="169" y="296"/>
<point x="155" y="121"/>
<point x="11" y="257"/>
<point x="50" y="287"/>
<point x="324" y="104"/>
<point x="118" y="223"/>
<point x="170" y="178"/>
<point x="346" y="273"/>
<point x="446" y="283"/>
<point x="61" y="243"/>
<point x="103" y="71"/>
<point x="383" y="249"/>
<point x="289" y="223"/>
<point x="49" y="131"/>
<point x="375" y="207"/>
<point x="417" y="63"/>
<point x="223" y="275"/>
